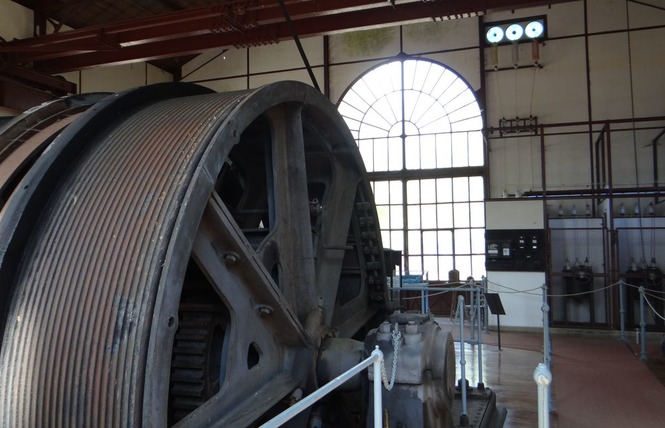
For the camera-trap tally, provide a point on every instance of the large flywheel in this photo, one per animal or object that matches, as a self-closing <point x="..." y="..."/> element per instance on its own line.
<point x="177" y="256"/>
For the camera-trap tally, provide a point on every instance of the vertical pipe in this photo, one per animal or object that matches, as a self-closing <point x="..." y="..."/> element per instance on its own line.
<point x="378" y="399"/>
<point x="464" y="419"/>
<point x="622" y="309"/>
<point x="543" y="377"/>
<point x="472" y="312"/>
<point x="481" y="384"/>
<point x="643" y="326"/>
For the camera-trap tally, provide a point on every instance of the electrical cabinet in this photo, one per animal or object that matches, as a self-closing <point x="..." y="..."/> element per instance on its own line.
<point x="521" y="250"/>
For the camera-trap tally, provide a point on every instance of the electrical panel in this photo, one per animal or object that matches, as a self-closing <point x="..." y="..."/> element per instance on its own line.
<point x="515" y="250"/>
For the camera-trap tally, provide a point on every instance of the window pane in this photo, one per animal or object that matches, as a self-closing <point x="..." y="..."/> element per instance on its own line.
<point x="395" y="154"/>
<point x="429" y="242"/>
<point x="412" y="152"/>
<point x="444" y="190"/>
<point x="397" y="240"/>
<point x="428" y="152"/>
<point x="427" y="191"/>
<point x="384" y="216"/>
<point x="445" y="266"/>
<point x="380" y="154"/>
<point x="431" y="267"/>
<point x="445" y="242"/>
<point x="413" y="213"/>
<point x="395" y="192"/>
<point x="413" y="192"/>
<point x="478" y="241"/>
<point x="463" y="265"/>
<point x="415" y="265"/>
<point x="444" y="150"/>
<point x="381" y="195"/>
<point x="460" y="149"/>
<point x="461" y="215"/>
<point x="445" y="216"/>
<point x="477" y="214"/>
<point x="476" y="153"/>
<point x="476" y="189"/>
<point x="462" y="241"/>
<point x="478" y="267"/>
<point x="461" y="189"/>
<point x="385" y="239"/>
<point x="414" y="242"/>
<point x="396" y="217"/>
<point x="428" y="216"/>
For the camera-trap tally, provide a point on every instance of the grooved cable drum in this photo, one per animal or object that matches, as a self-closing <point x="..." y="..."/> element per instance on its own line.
<point x="81" y="317"/>
<point x="160" y="262"/>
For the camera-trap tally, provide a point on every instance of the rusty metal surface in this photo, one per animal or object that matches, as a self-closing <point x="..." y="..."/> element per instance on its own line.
<point x="132" y="197"/>
<point x="90" y="278"/>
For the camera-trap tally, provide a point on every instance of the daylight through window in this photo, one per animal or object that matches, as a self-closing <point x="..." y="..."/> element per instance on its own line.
<point x="419" y="129"/>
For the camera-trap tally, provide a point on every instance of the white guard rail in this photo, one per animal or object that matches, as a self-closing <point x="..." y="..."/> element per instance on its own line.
<point x="375" y="358"/>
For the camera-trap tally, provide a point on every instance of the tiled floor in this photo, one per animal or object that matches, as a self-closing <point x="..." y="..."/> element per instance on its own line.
<point x="597" y="380"/>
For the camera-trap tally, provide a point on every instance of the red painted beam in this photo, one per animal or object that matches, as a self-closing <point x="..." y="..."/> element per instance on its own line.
<point x="188" y="22"/>
<point x="265" y="34"/>
<point x="189" y="32"/>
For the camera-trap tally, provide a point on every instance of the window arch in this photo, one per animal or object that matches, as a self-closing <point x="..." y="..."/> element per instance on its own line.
<point x="418" y="126"/>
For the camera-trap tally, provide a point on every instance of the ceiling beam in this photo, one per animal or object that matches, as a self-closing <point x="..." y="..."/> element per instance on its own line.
<point x="197" y="30"/>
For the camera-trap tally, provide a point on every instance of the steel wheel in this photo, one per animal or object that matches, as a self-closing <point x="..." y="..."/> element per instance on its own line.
<point x="178" y="256"/>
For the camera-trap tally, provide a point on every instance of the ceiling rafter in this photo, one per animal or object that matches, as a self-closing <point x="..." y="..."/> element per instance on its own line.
<point x="231" y="24"/>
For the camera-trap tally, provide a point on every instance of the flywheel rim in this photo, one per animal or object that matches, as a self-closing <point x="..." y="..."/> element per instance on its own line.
<point x="241" y="110"/>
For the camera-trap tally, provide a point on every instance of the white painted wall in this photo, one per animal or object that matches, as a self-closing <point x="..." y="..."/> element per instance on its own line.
<point x="521" y="298"/>
<point x="15" y="21"/>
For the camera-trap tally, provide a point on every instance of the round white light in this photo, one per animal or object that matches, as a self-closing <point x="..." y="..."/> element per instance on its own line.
<point x="494" y="34"/>
<point x="534" y="29"/>
<point x="514" y="32"/>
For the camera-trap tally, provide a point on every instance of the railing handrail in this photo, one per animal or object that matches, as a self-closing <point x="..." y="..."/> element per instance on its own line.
<point x="376" y="358"/>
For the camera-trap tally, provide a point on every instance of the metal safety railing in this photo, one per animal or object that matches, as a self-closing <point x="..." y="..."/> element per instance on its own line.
<point x="542" y="375"/>
<point x="375" y="358"/>
<point x="641" y="333"/>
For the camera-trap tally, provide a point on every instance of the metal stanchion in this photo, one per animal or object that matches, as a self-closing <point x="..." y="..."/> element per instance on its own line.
<point x="546" y="328"/>
<point x="481" y="385"/>
<point x="472" y="314"/>
<point x="543" y="377"/>
<point x="464" y="418"/>
<point x="622" y="309"/>
<point x="486" y="323"/>
<point x="643" y="326"/>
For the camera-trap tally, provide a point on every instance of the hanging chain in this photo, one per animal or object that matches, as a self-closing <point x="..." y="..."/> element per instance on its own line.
<point x="397" y="335"/>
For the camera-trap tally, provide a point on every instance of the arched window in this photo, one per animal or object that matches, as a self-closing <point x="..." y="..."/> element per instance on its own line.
<point x="419" y="129"/>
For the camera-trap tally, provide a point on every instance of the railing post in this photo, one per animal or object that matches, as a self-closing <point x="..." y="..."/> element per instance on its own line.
<point x="481" y="385"/>
<point x="378" y="397"/>
<point x="643" y="326"/>
<point x="486" y="323"/>
<point x="464" y="418"/>
<point x="622" y="309"/>
<point x="546" y="328"/>
<point x="543" y="377"/>
<point x="472" y="314"/>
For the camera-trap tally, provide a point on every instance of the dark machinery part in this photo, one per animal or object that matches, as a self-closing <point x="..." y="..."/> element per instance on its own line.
<point x="424" y="382"/>
<point x="24" y="137"/>
<point x="183" y="257"/>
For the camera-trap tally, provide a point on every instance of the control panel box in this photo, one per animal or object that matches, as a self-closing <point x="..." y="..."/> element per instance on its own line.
<point x="520" y="250"/>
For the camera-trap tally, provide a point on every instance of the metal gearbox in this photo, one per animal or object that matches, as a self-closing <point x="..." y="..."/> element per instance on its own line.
<point x="419" y="371"/>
